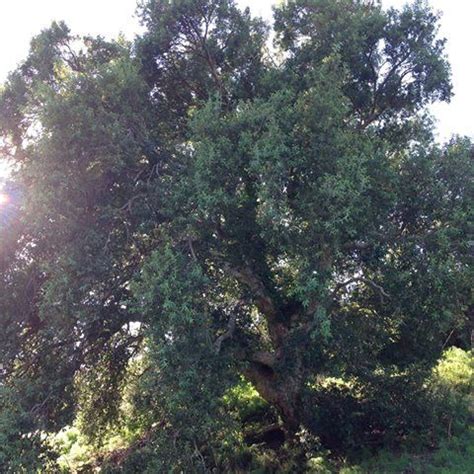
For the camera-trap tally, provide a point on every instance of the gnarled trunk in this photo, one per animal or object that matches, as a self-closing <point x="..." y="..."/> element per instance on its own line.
<point x="277" y="375"/>
<point x="279" y="388"/>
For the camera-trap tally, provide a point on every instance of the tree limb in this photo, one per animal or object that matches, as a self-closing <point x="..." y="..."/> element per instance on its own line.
<point x="263" y="300"/>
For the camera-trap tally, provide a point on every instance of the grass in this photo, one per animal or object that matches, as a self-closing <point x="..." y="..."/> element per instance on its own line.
<point x="454" y="456"/>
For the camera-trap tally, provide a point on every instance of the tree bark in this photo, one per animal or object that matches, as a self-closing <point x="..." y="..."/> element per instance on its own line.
<point x="279" y="386"/>
<point x="280" y="389"/>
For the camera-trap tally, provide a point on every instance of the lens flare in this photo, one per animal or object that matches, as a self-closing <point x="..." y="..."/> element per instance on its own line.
<point x="4" y="199"/>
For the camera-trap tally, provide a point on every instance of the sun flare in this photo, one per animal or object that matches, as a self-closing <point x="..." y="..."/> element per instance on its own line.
<point x="4" y="199"/>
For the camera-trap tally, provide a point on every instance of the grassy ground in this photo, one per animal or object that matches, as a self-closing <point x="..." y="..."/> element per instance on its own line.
<point x="454" y="456"/>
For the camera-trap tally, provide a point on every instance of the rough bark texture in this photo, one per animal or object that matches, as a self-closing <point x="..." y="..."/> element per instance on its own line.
<point x="280" y="391"/>
<point x="276" y="383"/>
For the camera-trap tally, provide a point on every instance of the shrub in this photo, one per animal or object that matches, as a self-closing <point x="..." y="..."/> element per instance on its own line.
<point x="393" y="409"/>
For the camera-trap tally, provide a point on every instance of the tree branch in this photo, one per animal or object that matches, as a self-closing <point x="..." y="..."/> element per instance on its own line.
<point x="228" y="334"/>
<point x="263" y="357"/>
<point x="367" y="281"/>
<point x="263" y="300"/>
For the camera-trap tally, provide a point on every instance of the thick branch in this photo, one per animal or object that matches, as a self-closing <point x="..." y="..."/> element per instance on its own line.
<point x="262" y="299"/>
<point x="265" y="358"/>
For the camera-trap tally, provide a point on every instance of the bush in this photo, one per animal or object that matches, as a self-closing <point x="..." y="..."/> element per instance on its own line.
<point x="452" y="386"/>
<point x="393" y="410"/>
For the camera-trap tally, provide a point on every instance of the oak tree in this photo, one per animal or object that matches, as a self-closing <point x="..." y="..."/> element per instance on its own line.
<point x="219" y="208"/>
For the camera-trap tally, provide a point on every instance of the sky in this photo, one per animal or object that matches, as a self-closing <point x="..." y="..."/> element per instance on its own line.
<point x="20" y="20"/>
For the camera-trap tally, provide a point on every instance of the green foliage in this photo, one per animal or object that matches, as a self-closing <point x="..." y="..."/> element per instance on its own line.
<point x="452" y="387"/>
<point x="350" y="417"/>
<point x="358" y="416"/>
<point x="247" y="403"/>
<point x="454" y="372"/>
<point x="451" y="457"/>
<point x="191" y="210"/>
<point x="22" y="447"/>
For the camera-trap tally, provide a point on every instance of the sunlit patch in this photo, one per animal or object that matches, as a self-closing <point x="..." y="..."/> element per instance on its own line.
<point x="4" y="199"/>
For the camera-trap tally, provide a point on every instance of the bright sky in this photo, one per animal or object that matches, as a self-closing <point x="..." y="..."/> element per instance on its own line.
<point x="22" y="19"/>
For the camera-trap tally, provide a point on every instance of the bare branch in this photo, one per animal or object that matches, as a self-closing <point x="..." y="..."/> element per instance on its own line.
<point x="228" y="334"/>
<point x="129" y="203"/>
<point x="367" y="281"/>
<point x="191" y="249"/>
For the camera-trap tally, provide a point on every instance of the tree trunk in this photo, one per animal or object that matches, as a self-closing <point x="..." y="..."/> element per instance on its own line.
<point x="281" y="390"/>
<point x="266" y="370"/>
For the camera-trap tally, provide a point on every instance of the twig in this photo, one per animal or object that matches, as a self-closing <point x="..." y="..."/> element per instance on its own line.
<point x="447" y="340"/>
<point x="191" y="249"/>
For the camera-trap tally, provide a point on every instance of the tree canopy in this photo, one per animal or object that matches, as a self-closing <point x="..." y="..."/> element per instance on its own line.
<point x="198" y="209"/>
